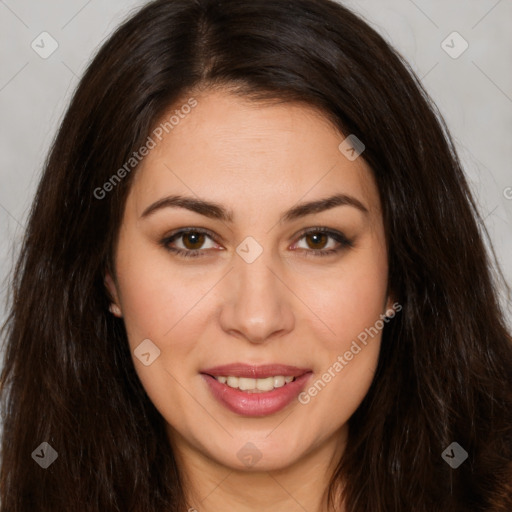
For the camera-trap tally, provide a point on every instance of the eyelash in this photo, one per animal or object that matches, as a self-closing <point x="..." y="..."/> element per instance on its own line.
<point x="336" y="235"/>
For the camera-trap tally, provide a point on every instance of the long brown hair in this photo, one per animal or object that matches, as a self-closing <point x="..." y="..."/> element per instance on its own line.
<point x="445" y="368"/>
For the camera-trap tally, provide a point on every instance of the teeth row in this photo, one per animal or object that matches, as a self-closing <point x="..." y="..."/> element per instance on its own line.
<point x="247" y="384"/>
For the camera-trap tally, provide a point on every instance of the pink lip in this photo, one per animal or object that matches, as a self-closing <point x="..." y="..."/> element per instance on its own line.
<point x="256" y="404"/>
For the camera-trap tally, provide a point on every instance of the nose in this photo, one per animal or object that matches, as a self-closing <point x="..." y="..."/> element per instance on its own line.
<point x="257" y="303"/>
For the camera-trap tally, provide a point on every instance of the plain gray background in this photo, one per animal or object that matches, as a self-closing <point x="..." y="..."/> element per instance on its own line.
<point x="473" y="91"/>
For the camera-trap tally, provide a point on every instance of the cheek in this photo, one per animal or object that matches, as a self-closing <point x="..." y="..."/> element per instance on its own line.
<point x="166" y="305"/>
<point x="154" y="293"/>
<point x="148" y="304"/>
<point x="353" y="297"/>
<point x="348" y="358"/>
<point x="159" y="303"/>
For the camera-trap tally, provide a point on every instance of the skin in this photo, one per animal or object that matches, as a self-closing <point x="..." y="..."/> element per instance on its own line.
<point x="289" y="306"/>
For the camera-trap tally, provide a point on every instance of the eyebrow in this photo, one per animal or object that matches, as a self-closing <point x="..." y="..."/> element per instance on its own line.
<point x="216" y="211"/>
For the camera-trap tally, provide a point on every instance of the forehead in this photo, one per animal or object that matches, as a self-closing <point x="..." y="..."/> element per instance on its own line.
<point x="230" y="149"/>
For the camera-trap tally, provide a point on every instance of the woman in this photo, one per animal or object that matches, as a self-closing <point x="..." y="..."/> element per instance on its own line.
<point x="253" y="279"/>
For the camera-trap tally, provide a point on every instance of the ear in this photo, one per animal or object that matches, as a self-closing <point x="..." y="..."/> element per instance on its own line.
<point x="115" y="307"/>
<point x="389" y="306"/>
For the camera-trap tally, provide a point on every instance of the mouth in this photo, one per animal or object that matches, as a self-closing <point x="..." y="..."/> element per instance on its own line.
<point x="256" y="390"/>
<point x="255" y="385"/>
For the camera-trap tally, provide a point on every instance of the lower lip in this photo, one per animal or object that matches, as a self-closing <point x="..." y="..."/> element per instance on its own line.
<point x="256" y="404"/>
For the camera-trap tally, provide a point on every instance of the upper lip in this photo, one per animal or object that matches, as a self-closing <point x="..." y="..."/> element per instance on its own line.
<point x="255" y="372"/>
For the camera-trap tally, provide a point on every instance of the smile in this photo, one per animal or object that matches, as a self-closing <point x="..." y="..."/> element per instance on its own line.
<point x="255" y="385"/>
<point x="255" y="390"/>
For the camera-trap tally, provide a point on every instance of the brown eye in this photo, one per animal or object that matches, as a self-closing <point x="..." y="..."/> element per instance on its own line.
<point x="193" y="240"/>
<point x="318" y="240"/>
<point x="323" y="242"/>
<point x="189" y="243"/>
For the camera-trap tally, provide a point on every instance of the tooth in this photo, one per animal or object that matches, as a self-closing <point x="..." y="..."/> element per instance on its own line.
<point x="232" y="382"/>
<point x="265" y="384"/>
<point x="279" y="381"/>
<point x="250" y="384"/>
<point x="245" y="384"/>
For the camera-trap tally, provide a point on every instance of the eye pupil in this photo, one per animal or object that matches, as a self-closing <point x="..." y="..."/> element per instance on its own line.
<point x="196" y="240"/>
<point x="317" y="238"/>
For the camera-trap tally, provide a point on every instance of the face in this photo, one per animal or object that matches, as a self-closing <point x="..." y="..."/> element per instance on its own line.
<point x="244" y="289"/>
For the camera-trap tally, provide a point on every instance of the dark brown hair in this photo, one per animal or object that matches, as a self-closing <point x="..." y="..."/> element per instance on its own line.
<point x="445" y="368"/>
